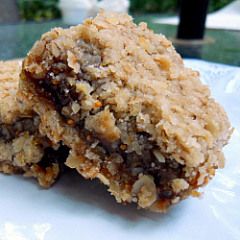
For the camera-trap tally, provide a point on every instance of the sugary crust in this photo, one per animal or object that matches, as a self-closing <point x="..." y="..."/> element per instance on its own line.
<point x="142" y="77"/>
<point x="20" y="154"/>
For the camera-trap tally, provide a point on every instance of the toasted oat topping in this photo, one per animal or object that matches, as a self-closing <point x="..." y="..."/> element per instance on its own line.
<point x="110" y="89"/>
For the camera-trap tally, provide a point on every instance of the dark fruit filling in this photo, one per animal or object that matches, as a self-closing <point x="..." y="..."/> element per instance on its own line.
<point x="52" y="156"/>
<point x="62" y="95"/>
<point x="11" y="131"/>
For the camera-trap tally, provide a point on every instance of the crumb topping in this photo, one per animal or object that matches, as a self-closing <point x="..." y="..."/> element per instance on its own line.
<point x="133" y="115"/>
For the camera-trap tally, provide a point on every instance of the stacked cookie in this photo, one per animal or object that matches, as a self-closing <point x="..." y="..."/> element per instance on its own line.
<point x="114" y="101"/>
<point x="23" y="149"/>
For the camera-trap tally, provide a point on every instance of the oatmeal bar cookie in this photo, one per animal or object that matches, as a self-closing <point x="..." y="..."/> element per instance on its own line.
<point x="22" y="148"/>
<point x="120" y="97"/>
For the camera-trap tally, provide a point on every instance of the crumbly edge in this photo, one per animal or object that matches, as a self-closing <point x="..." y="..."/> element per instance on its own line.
<point x="22" y="155"/>
<point x="10" y="110"/>
<point x="62" y="131"/>
<point x="20" y="150"/>
<point x="45" y="177"/>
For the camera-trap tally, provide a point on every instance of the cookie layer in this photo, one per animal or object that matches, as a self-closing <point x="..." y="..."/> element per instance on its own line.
<point x="23" y="149"/>
<point x="120" y="97"/>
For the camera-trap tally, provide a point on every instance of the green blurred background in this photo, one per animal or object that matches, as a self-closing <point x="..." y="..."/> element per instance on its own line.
<point x="39" y="10"/>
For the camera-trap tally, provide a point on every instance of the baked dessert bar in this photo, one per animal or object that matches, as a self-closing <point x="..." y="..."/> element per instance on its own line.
<point x="22" y="148"/>
<point x="120" y="97"/>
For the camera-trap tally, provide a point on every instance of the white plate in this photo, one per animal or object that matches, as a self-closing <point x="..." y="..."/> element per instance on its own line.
<point x="79" y="209"/>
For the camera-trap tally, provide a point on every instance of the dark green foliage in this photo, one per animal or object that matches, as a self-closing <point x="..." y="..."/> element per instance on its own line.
<point x="38" y="10"/>
<point x="153" y="6"/>
<point x="163" y="6"/>
<point x="217" y="4"/>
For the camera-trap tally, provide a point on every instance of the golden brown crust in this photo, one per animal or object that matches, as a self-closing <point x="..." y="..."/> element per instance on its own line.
<point x="9" y="77"/>
<point x="132" y="88"/>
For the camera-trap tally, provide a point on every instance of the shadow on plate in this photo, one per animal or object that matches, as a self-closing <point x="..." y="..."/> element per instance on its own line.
<point x="85" y="200"/>
<point x="95" y="197"/>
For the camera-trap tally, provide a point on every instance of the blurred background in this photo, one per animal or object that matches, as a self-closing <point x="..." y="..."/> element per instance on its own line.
<point x="41" y="10"/>
<point x="23" y="21"/>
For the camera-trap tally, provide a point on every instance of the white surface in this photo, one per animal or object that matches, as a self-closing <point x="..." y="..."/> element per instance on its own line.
<point x="77" y="209"/>
<point x="226" y="18"/>
<point x="76" y="11"/>
<point x="114" y="5"/>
